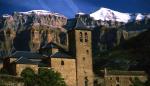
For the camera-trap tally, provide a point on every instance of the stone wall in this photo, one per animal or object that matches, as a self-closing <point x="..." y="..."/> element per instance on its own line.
<point x="67" y="68"/>
<point x="122" y="80"/>
<point x="18" y="68"/>
<point x="80" y="46"/>
<point x="84" y="58"/>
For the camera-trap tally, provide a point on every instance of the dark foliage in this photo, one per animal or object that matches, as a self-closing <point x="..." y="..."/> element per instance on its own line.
<point x="45" y="77"/>
<point x="133" y="54"/>
<point x="28" y="76"/>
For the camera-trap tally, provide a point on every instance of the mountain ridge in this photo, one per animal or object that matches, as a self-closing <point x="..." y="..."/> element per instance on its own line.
<point x="106" y="14"/>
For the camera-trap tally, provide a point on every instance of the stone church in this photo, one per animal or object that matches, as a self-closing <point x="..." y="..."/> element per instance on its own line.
<point x="74" y="64"/>
<point x="76" y="67"/>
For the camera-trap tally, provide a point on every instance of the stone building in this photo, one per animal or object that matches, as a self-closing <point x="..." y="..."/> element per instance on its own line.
<point x="66" y="65"/>
<point x="123" y="78"/>
<point x="21" y="60"/>
<point x="75" y="65"/>
<point x="60" y="62"/>
<point x="21" y="64"/>
<point x="80" y="47"/>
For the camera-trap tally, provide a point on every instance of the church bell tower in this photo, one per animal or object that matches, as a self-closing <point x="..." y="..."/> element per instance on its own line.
<point x="80" y="46"/>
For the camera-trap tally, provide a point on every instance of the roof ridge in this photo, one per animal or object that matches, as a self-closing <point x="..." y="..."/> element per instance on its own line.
<point x="19" y="59"/>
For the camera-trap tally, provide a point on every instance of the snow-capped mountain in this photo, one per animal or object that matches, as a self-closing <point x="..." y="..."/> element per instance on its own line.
<point x="139" y="16"/>
<point x="41" y="12"/>
<point x="80" y="13"/>
<point x="106" y="14"/>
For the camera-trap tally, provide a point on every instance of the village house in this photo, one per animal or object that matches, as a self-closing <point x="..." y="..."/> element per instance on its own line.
<point x="21" y="60"/>
<point x="120" y="78"/>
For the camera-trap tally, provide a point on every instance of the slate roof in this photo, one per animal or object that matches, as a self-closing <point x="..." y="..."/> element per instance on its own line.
<point x="26" y="54"/>
<point x="131" y="73"/>
<point x="81" y="25"/>
<point x="78" y="24"/>
<point x="22" y="60"/>
<point x="60" y="54"/>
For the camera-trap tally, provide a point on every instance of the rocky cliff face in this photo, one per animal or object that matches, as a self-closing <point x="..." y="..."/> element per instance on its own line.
<point x="31" y="30"/>
<point x="108" y="34"/>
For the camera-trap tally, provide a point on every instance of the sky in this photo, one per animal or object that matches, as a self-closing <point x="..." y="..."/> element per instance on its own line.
<point x="70" y="7"/>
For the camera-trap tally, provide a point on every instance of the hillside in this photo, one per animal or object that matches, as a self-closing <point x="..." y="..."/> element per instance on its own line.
<point x="132" y="54"/>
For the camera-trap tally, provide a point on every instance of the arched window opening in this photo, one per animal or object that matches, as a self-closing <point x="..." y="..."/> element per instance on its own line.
<point x="117" y="78"/>
<point x="81" y="37"/>
<point x="86" y="81"/>
<point x="86" y="37"/>
<point x="83" y="58"/>
<point x="62" y="63"/>
<point x="87" y="51"/>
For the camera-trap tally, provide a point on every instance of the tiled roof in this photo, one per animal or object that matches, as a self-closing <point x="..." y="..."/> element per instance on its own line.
<point x="26" y="54"/>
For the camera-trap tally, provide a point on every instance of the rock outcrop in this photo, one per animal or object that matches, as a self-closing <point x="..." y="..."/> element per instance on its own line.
<point x="29" y="31"/>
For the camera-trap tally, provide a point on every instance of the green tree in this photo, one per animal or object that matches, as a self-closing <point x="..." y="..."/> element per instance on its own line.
<point x="28" y="77"/>
<point x="147" y="83"/>
<point x="137" y="82"/>
<point x="48" y="77"/>
<point x="3" y="71"/>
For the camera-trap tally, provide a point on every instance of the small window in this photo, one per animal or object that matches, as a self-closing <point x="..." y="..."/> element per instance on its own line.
<point x="117" y="85"/>
<point x="86" y="37"/>
<point x="81" y="37"/>
<point x="117" y="78"/>
<point x="87" y="51"/>
<point x="130" y="79"/>
<point x="62" y="62"/>
<point x="83" y="58"/>
<point x="86" y="81"/>
<point x="110" y="78"/>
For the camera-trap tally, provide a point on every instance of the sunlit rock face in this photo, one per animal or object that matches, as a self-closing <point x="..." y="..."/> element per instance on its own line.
<point x="7" y="34"/>
<point x="34" y="29"/>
